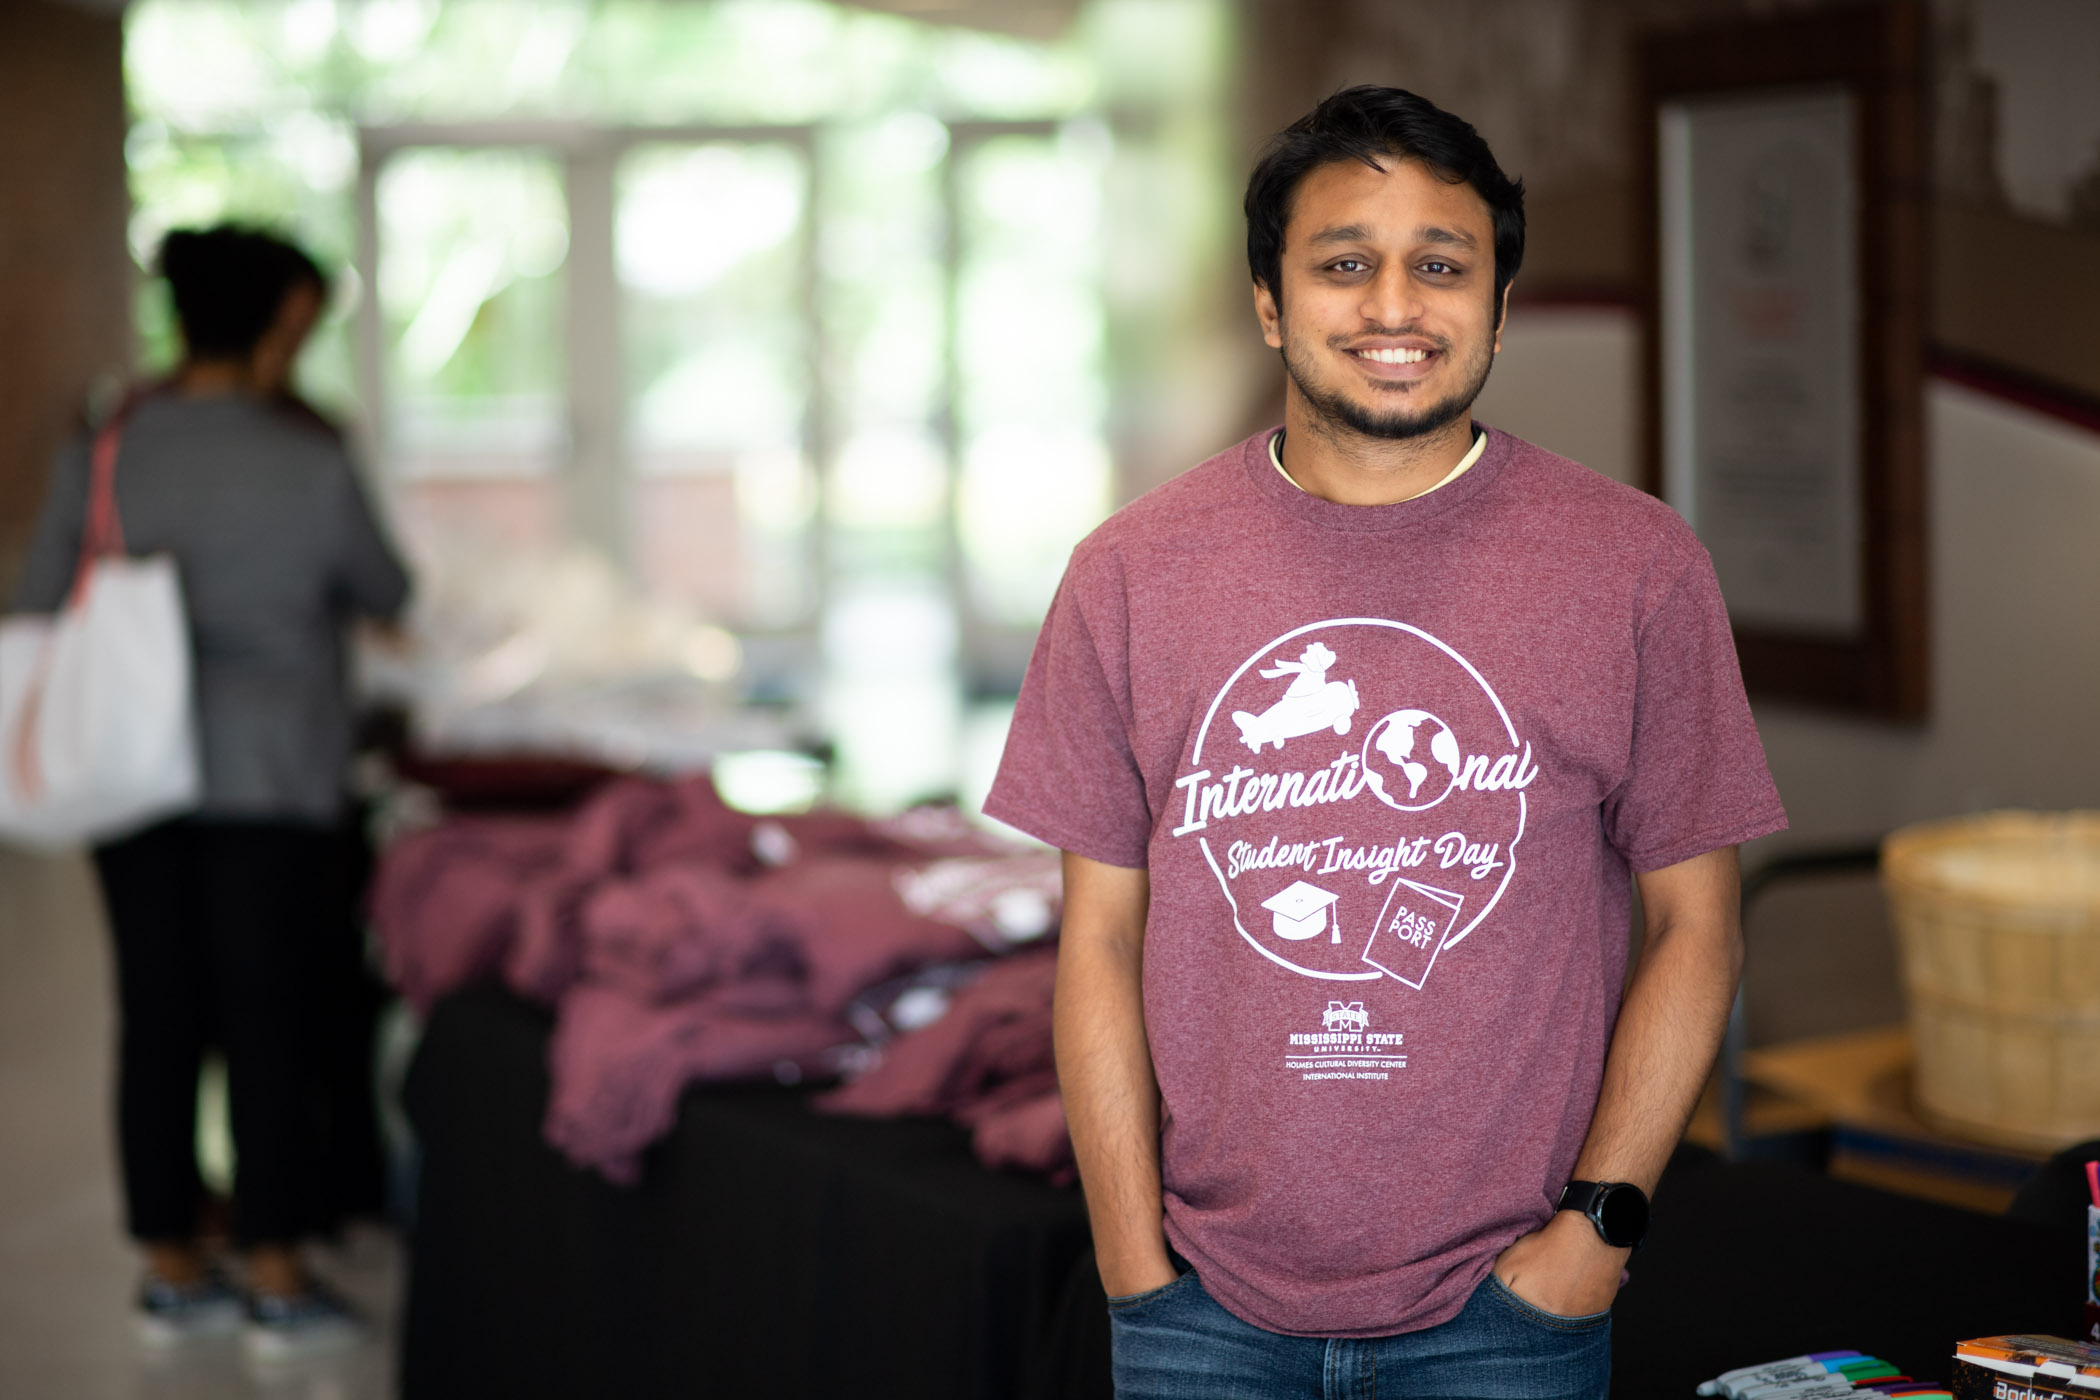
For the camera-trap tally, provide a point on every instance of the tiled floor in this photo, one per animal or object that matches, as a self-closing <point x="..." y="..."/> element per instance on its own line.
<point x="66" y="1274"/>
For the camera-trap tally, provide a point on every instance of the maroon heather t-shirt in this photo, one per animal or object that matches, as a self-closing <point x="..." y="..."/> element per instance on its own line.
<point x="1388" y="767"/>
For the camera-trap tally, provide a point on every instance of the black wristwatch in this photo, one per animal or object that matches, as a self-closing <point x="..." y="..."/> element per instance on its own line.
<point x="1618" y="1209"/>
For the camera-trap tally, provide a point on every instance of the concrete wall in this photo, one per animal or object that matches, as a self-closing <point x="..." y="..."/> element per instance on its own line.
<point x="65" y="276"/>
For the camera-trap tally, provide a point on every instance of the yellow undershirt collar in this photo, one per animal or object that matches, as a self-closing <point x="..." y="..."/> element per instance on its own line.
<point x="1480" y="439"/>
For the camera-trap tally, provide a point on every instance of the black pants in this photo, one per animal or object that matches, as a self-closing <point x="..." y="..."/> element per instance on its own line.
<point x="243" y="936"/>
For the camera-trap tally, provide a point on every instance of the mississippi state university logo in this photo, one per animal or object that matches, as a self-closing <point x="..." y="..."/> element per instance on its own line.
<point x="1345" y="1046"/>
<point x="1357" y="788"/>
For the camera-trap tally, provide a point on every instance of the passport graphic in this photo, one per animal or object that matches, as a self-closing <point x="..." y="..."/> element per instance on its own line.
<point x="1411" y="929"/>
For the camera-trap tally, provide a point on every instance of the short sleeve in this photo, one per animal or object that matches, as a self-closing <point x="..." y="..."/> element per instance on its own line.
<point x="54" y="550"/>
<point x="1697" y="779"/>
<point x="1070" y="775"/>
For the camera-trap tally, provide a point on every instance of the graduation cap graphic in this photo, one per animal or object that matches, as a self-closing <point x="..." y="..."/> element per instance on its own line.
<point x="1301" y="911"/>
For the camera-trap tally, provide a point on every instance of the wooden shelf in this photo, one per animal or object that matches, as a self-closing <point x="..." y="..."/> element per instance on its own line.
<point x="1858" y="1087"/>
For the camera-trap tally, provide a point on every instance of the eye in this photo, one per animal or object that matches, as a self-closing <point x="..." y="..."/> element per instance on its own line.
<point x="1349" y="266"/>
<point x="1440" y="269"/>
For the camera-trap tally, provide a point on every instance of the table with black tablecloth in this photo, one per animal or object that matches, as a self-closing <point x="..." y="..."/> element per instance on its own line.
<point x="768" y="1250"/>
<point x="773" y="1251"/>
<point x="1751" y="1262"/>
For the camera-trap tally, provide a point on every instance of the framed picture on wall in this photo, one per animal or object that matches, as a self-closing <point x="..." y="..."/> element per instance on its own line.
<point x="1784" y="170"/>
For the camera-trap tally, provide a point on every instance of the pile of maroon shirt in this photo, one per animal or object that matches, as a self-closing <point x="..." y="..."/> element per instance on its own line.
<point x="680" y="941"/>
<point x="986" y="1063"/>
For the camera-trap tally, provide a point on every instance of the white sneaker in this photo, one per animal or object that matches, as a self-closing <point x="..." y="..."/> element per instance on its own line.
<point x="314" y="1323"/>
<point x="172" y="1315"/>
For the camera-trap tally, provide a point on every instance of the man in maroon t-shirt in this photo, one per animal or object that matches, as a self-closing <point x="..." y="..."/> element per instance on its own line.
<point x="1351" y="737"/>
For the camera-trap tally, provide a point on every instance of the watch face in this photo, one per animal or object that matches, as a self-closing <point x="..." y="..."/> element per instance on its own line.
<point x="1622" y="1211"/>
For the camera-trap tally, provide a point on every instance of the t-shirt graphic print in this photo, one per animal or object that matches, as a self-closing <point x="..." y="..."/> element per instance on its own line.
<point x="1388" y="770"/>
<point x="1357" y="789"/>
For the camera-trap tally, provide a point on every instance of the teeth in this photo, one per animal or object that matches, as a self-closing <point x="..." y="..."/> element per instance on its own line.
<point x="1395" y="357"/>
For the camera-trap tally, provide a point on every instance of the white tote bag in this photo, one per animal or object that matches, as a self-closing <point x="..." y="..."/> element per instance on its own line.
<point x="97" y="719"/>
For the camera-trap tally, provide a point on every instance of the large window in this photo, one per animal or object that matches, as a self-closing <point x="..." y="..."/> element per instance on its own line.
<point x="797" y="317"/>
<point x="469" y="310"/>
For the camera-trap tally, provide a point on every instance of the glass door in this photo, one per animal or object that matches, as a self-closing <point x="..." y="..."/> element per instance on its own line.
<point x="1031" y="384"/>
<point x="471" y="258"/>
<point x="713" y="249"/>
<point x="843" y="392"/>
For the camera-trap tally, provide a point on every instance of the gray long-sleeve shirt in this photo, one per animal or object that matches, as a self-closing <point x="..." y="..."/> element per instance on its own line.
<point x="277" y="549"/>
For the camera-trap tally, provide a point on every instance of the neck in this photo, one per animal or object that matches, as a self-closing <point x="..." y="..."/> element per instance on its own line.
<point x="199" y="379"/>
<point x="1349" y="468"/>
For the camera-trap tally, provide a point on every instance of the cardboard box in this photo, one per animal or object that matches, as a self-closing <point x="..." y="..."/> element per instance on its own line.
<point x="2025" y="1368"/>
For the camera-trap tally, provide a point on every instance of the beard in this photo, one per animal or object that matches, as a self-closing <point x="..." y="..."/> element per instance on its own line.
<point x="1335" y="411"/>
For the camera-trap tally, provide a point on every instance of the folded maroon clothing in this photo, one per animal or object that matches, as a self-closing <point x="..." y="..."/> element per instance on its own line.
<point x="668" y="933"/>
<point x="638" y="823"/>
<point x="1006" y="900"/>
<point x="546" y="945"/>
<point x="618" y="1067"/>
<point x="1029" y="1134"/>
<point x="815" y="934"/>
<point x="445" y="900"/>
<point x="682" y="941"/>
<point x="941" y="1068"/>
<point x="1017" y="1048"/>
<point x="842" y="922"/>
<point x="940" y="829"/>
<point x="994" y="1100"/>
<point x="987" y="1063"/>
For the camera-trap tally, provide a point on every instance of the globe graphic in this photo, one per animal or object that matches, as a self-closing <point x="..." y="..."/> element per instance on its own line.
<point x="1414" y="745"/>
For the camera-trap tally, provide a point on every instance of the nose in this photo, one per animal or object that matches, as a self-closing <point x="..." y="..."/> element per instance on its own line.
<point x="1390" y="299"/>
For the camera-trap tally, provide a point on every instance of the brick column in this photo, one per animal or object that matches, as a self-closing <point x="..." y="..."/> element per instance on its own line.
<point x="66" y="278"/>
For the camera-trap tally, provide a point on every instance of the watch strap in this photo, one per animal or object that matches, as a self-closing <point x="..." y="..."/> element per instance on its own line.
<point x="1590" y="1197"/>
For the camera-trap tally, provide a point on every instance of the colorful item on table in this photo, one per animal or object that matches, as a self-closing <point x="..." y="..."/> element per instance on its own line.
<point x="1821" y="1375"/>
<point x="2092" y="1254"/>
<point x="1740" y="1373"/>
<point x="1837" y="1387"/>
<point x="1778" y="1378"/>
<point x="1834" y="1387"/>
<point x="1857" y="1371"/>
<point x="2026" y="1367"/>
<point x="1829" y="1387"/>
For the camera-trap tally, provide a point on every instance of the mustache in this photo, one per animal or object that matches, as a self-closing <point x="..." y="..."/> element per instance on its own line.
<point x="1341" y="342"/>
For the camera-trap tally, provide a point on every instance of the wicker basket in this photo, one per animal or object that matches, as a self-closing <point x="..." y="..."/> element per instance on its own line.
<point x="1999" y="921"/>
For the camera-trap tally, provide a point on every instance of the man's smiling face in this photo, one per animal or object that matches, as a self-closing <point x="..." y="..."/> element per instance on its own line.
<point x="1388" y="321"/>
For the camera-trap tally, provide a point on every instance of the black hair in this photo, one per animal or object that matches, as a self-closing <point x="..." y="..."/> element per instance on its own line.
<point x="1365" y="123"/>
<point x="229" y="283"/>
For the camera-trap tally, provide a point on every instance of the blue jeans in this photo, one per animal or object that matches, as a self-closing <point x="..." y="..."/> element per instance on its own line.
<point x="1176" y="1343"/>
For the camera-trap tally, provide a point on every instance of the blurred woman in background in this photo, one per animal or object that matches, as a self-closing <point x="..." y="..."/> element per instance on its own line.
<point x="233" y="924"/>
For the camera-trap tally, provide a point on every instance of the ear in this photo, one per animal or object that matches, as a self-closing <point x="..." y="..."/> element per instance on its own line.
<point x="1502" y="315"/>
<point x="1270" y="315"/>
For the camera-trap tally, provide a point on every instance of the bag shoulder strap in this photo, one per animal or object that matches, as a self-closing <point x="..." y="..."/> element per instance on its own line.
<point x="101" y="532"/>
<point x="102" y="528"/>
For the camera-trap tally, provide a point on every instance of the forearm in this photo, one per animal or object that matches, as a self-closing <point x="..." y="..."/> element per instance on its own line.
<point x="1670" y="1027"/>
<point x="1104" y="1069"/>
